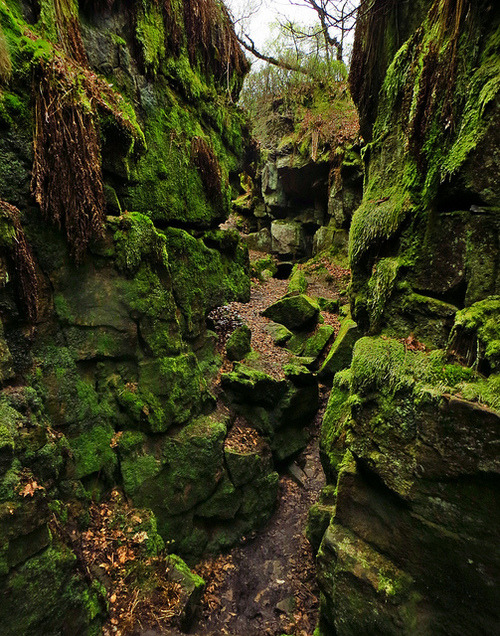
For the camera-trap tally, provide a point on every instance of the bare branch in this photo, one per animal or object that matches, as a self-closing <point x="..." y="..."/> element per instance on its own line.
<point x="250" y="47"/>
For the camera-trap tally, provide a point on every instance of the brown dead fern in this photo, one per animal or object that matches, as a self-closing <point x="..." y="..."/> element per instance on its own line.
<point x="23" y="265"/>
<point x="212" y="42"/>
<point x="206" y="161"/>
<point x="67" y="175"/>
<point x="5" y="62"/>
<point x="67" y="178"/>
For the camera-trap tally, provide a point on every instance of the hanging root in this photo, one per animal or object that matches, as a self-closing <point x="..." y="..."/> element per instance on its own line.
<point x="211" y="38"/>
<point x="23" y="264"/>
<point x="206" y="161"/>
<point x="67" y="176"/>
<point x="5" y="63"/>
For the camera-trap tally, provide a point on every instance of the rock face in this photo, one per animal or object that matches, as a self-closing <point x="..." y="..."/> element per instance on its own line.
<point x="122" y="117"/>
<point x="406" y="540"/>
<point x="302" y="197"/>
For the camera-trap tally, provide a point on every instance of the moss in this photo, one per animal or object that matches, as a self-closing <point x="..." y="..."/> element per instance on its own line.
<point x="379" y="217"/>
<point x="267" y="263"/>
<point x="388" y="366"/>
<point x="380" y="288"/>
<point x="150" y="32"/>
<point x="483" y="390"/>
<point x="340" y="354"/>
<point x="238" y="344"/>
<point x="178" y="383"/>
<point x="190" y="463"/>
<point x="295" y="312"/>
<point x="315" y="345"/>
<point x="93" y="453"/>
<point x="47" y="595"/>
<point x="136" y="239"/>
<point x="252" y="385"/>
<point x="476" y="333"/>
<point x="279" y="333"/>
<point x="297" y="283"/>
<point x="204" y="278"/>
<point x="137" y="469"/>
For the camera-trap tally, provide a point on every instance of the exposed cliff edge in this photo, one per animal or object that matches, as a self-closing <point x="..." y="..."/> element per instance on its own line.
<point x="407" y="533"/>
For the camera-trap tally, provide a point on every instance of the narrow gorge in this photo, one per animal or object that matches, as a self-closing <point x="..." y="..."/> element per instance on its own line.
<point x="249" y="352"/>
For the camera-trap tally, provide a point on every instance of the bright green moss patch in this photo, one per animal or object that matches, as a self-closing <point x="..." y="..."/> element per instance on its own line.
<point x="92" y="452"/>
<point x="40" y="593"/>
<point x="378" y="218"/>
<point x="238" y="344"/>
<point x="476" y="333"/>
<point x="387" y="366"/>
<point x="136" y="239"/>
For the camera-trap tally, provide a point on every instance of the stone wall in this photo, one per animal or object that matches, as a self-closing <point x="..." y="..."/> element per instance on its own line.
<point x="406" y="531"/>
<point x="119" y="142"/>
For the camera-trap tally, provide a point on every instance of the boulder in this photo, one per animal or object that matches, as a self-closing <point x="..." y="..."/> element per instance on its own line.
<point x="341" y="352"/>
<point x="238" y="344"/>
<point x="287" y="237"/>
<point x="279" y="333"/>
<point x="295" y="312"/>
<point x="192" y="587"/>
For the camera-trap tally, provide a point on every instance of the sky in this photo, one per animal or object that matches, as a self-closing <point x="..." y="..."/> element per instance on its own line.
<point x="266" y="13"/>
<point x="259" y="24"/>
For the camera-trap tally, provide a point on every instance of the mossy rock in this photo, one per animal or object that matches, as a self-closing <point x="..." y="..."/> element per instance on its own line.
<point x="245" y="467"/>
<point x="478" y="323"/>
<point x="47" y="595"/>
<point x="295" y="312"/>
<point x="187" y="470"/>
<point x="297" y="283"/>
<point x="249" y="385"/>
<point x="340" y="354"/>
<point x="315" y="345"/>
<point x="174" y="386"/>
<point x="204" y="277"/>
<point x="329" y="305"/>
<point x="261" y="265"/>
<point x="92" y="452"/>
<point x="238" y="344"/>
<point x="319" y="515"/>
<point x="223" y="504"/>
<point x="279" y="333"/>
<point x="192" y="587"/>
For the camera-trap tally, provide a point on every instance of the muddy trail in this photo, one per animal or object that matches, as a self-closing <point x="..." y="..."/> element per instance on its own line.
<point x="267" y="585"/>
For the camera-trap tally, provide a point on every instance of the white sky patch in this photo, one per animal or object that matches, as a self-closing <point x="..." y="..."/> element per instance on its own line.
<point x="259" y="24"/>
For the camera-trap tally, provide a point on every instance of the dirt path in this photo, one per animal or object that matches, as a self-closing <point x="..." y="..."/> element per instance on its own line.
<point x="266" y="586"/>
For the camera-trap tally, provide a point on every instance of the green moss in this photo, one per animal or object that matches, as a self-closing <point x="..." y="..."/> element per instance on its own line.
<point x="238" y="344"/>
<point x="8" y="424"/>
<point x="150" y="32"/>
<point x="297" y="283"/>
<point x="479" y="322"/>
<point x="318" y="341"/>
<point x="190" y="464"/>
<point x="295" y="312"/>
<point x="93" y="453"/>
<point x="387" y="366"/>
<point x="178" y="383"/>
<point x="203" y="277"/>
<point x="483" y="390"/>
<point x="136" y="469"/>
<point x="47" y="595"/>
<point x="267" y="263"/>
<point x="136" y="239"/>
<point x="379" y="217"/>
<point x="380" y="288"/>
